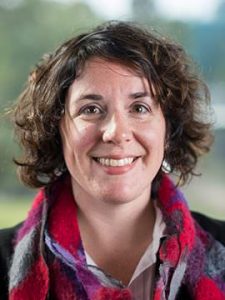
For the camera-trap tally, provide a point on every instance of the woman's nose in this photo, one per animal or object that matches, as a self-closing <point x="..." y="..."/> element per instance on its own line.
<point x="116" y="130"/>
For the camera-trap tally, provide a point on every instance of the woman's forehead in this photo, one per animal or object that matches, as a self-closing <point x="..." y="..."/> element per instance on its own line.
<point x="114" y="64"/>
<point x="102" y="73"/>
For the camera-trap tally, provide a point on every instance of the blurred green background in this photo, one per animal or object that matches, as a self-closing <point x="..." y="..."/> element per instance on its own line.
<point x="30" y="28"/>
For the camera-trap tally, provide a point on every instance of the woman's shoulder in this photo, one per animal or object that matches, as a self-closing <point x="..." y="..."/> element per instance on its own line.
<point x="6" y="250"/>
<point x="215" y="227"/>
<point x="7" y="236"/>
<point x="6" y="239"/>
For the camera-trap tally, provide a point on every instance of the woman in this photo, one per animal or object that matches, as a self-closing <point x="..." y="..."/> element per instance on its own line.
<point x="101" y="122"/>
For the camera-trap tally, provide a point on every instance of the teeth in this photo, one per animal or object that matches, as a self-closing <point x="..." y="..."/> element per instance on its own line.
<point x="109" y="162"/>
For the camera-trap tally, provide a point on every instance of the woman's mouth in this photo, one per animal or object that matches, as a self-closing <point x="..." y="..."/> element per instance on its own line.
<point x="111" y="162"/>
<point x="116" y="166"/>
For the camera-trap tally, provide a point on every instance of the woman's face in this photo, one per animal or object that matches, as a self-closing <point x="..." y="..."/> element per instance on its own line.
<point x="113" y="133"/>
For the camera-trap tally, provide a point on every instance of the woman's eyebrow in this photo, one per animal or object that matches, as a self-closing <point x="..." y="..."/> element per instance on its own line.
<point x="95" y="97"/>
<point x="139" y="95"/>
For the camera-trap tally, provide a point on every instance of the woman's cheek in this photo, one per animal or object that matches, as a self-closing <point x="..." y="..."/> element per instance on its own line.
<point x="84" y="134"/>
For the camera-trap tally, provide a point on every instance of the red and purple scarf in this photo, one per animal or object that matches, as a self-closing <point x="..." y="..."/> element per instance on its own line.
<point x="49" y="260"/>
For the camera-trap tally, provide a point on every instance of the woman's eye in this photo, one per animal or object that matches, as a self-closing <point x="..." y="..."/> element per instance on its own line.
<point x="90" y="110"/>
<point x="140" y="109"/>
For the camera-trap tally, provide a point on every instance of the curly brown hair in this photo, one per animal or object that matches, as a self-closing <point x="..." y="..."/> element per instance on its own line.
<point x="182" y="95"/>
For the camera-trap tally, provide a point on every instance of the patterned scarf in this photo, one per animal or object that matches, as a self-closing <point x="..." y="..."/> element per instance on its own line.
<point x="49" y="260"/>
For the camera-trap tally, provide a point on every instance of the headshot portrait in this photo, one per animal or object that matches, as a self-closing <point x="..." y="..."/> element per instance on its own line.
<point x="111" y="125"/>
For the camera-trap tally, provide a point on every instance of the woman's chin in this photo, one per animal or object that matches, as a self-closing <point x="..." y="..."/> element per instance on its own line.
<point x="119" y="196"/>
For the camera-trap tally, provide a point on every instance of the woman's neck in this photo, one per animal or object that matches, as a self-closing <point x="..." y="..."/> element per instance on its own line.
<point x="125" y="218"/>
<point x="116" y="236"/>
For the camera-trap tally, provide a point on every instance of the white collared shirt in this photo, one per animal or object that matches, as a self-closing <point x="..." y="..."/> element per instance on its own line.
<point x="143" y="276"/>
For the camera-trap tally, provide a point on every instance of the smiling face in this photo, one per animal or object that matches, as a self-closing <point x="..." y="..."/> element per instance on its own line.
<point x="113" y="133"/>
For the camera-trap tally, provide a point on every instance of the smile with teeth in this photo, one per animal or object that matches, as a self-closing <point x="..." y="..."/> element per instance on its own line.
<point x="109" y="162"/>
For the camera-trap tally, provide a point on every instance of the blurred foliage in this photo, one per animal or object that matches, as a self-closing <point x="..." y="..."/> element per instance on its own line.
<point x="205" y="42"/>
<point x="14" y="212"/>
<point x="30" y="28"/>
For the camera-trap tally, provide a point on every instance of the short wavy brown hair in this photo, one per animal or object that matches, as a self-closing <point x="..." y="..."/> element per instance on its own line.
<point x="182" y="95"/>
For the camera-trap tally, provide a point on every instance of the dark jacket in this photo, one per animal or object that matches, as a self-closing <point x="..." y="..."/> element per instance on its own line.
<point x="215" y="227"/>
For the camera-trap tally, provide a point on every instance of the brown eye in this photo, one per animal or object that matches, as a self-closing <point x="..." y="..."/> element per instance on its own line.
<point x="90" y="109"/>
<point x="140" y="109"/>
